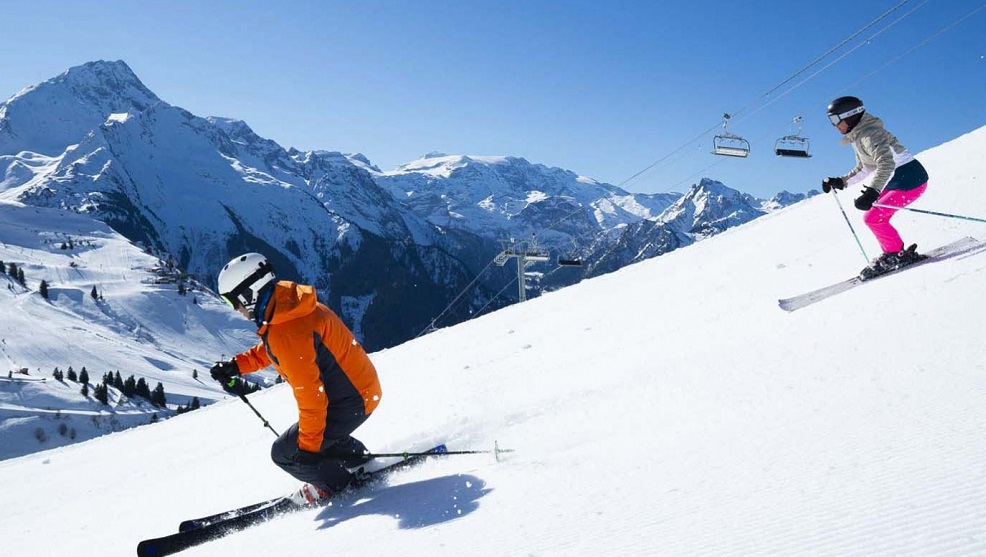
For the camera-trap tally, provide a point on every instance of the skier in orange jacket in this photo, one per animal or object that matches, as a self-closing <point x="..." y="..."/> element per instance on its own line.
<point x="334" y="383"/>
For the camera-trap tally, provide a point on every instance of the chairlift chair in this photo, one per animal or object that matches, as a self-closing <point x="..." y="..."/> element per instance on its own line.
<point x="570" y="258"/>
<point x="534" y="252"/>
<point x="729" y="144"/>
<point x="569" y="261"/>
<point x="793" y="145"/>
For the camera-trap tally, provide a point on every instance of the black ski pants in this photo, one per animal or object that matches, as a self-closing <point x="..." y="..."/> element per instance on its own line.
<point x="339" y="451"/>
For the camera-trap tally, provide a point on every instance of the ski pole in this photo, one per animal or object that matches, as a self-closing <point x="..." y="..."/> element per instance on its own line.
<point x="234" y="386"/>
<point x="496" y="452"/>
<point x="851" y="229"/>
<point x="929" y="212"/>
<point x="266" y="423"/>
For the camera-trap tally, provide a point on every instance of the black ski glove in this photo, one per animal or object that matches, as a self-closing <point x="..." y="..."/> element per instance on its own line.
<point x="830" y="184"/>
<point x="225" y="372"/>
<point x="307" y="458"/>
<point x="865" y="201"/>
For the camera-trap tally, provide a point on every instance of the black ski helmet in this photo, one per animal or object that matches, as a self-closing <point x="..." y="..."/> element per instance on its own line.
<point x="850" y="109"/>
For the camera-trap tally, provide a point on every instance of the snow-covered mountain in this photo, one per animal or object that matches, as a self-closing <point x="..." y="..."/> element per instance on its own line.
<point x="377" y="244"/>
<point x="511" y="195"/>
<point x="667" y="408"/>
<point x="205" y="190"/>
<point x="572" y="216"/>
<point x="47" y="118"/>
<point x="706" y="209"/>
<point x="388" y="251"/>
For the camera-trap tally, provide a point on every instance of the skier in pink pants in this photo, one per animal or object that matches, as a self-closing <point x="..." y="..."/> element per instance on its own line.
<point x="897" y="179"/>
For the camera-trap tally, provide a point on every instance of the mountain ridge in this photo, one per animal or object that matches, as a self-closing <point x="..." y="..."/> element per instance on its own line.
<point x="205" y="188"/>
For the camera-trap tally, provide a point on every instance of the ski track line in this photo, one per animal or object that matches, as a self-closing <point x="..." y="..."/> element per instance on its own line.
<point x="901" y="503"/>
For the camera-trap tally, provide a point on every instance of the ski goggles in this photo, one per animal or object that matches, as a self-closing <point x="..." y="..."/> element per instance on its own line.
<point x="836" y="118"/>
<point x="228" y="301"/>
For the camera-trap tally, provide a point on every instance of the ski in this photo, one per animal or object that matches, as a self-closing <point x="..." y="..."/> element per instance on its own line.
<point x="368" y="477"/>
<point x="194" y="523"/>
<point x="198" y="531"/>
<point x="948" y="251"/>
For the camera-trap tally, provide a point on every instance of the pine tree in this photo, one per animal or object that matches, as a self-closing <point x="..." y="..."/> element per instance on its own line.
<point x="108" y="378"/>
<point x="71" y="374"/>
<point x="85" y="390"/>
<point x="12" y="270"/>
<point x="195" y="374"/>
<point x="195" y="403"/>
<point x="20" y="277"/>
<point x="94" y="294"/>
<point x="3" y="269"/>
<point x="101" y="393"/>
<point x="118" y="381"/>
<point x="130" y="387"/>
<point x="142" y="389"/>
<point x="157" y="396"/>
<point x="83" y="375"/>
<point x="43" y="289"/>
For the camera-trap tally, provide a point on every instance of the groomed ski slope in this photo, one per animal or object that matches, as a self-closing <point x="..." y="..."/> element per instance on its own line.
<point x="667" y="409"/>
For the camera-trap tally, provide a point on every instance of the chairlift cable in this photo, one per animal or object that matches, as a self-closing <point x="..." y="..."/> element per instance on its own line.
<point x="830" y="64"/>
<point x="893" y="60"/>
<point x="836" y="61"/>
<point x="799" y="84"/>
<point x="456" y="299"/>
<point x="763" y="106"/>
<point x="919" y="45"/>
<point x="672" y="153"/>
<point x="711" y="129"/>
<point x="828" y="53"/>
<point x="497" y="295"/>
<point x="802" y="82"/>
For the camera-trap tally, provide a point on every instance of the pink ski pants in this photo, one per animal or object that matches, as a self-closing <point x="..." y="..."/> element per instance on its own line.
<point x="878" y="218"/>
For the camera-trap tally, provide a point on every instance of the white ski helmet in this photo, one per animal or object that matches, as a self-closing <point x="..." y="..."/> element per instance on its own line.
<point x="241" y="279"/>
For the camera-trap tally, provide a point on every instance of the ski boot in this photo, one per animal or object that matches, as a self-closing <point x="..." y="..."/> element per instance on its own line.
<point x="310" y="496"/>
<point x="910" y="256"/>
<point x="892" y="261"/>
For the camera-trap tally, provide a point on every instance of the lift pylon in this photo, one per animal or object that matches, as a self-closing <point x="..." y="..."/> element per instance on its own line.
<point x="527" y="253"/>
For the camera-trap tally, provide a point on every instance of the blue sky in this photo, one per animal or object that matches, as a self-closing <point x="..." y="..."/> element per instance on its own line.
<point x="602" y="89"/>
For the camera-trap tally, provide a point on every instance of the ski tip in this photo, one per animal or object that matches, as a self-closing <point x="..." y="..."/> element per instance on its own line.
<point x="439" y="449"/>
<point x="147" y="548"/>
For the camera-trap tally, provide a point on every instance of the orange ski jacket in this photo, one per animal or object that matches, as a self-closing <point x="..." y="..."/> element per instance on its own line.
<point x="314" y="351"/>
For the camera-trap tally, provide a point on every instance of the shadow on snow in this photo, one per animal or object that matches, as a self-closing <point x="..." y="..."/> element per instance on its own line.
<point x="414" y="505"/>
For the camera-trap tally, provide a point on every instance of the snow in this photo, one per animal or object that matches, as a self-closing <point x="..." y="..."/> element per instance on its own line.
<point x="139" y="327"/>
<point x="119" y="117"/>
<point x="669" y="408"/>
